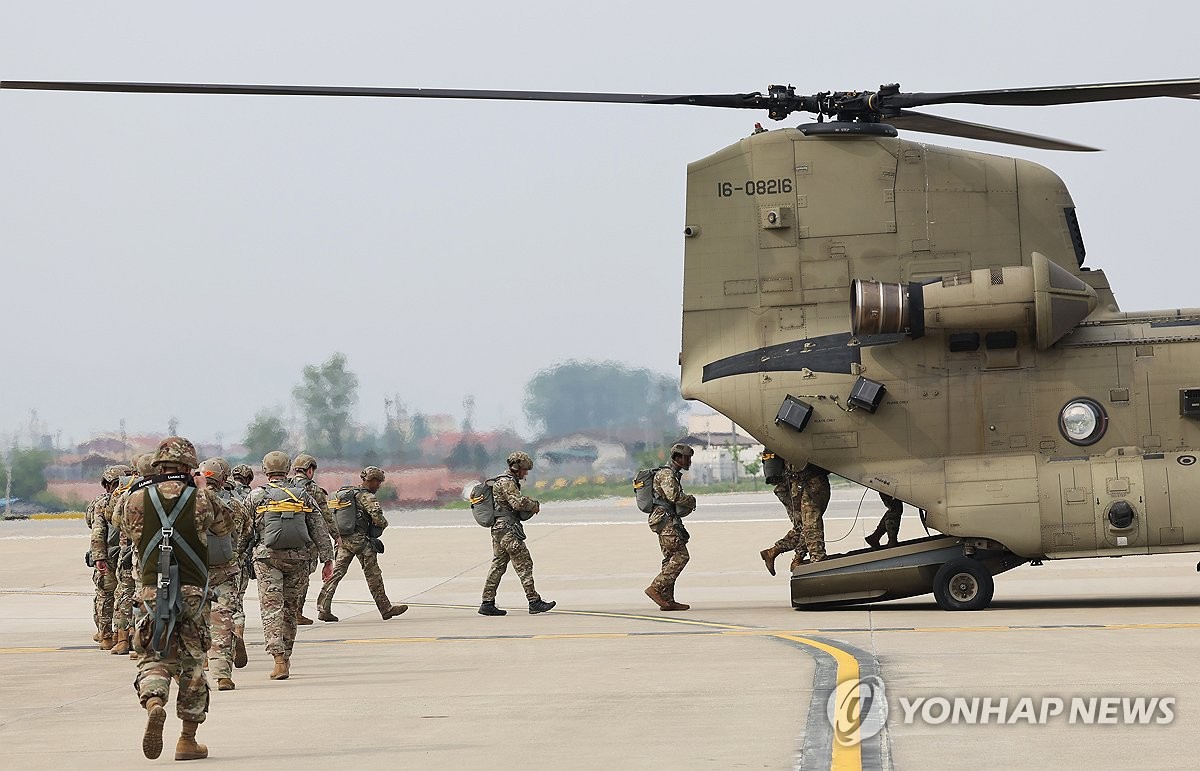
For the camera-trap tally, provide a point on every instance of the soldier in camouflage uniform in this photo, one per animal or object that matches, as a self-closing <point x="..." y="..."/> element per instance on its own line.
<point x="671" y="504"/>
<point x="368" y="520"/>
<point x="239" y="483"/>
<point x="508" y="537"/>
<point x="804" y="492"/>
<point x="304" y="468"/>
<point x="224" y="575"/>
<point x="889" y="523"/>
<point x="129" y="574"/>
<point x="122" y="565"/>
<point x="103" y="577"/>
<point x="281" y="571"/>
<point x="180" y="653"/>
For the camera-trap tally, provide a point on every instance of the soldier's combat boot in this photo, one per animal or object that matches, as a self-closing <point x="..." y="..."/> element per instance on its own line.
<point x="302" y="620"/>
<point x="187" y="748"/>
<point x="225" y="684"/>
<point x="662" y="602"/>
<point x="96" y="636"/>
<point x="490" y="609"/>
<point x="768" y="556"/>
<point x="540" y="606"/>
<point x="121" y="646"/>
<point x="327" y="616"/>
<point x="107" y="642"/>
<point x="393" y="611"/>
<point x="240" y="658"/>
<point x="873" y="539"/>
<point x="156" y="716"/>
<point x="678" y="606"/>
<point x="280" y="672"/>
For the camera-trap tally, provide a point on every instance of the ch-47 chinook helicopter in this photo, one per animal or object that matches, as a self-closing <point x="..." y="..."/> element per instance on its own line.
<point x="919" y="319"/>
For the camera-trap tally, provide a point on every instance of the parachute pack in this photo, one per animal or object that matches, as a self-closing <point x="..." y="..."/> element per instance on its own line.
<point x="643" y="488"/>
<point x="343" y="506"/>
<point x="483" y="502"/>
<point x="284" y="520"/>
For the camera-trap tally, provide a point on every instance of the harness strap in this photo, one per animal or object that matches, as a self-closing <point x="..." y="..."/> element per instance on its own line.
<point x="168" y="603"/>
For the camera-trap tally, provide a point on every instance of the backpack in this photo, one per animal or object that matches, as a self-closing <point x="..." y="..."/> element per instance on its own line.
<point x="483" y="502"/>
<point x="284" y="521"/>
<point x="643" y="488"/>
<point x="343" y="507"/>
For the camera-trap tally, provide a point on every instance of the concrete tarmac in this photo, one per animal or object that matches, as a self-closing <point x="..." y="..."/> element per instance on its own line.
<point x="607" y="680"/>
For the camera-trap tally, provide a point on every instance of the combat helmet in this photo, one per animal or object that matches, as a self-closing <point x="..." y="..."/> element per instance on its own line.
<point x="520" y="460"/>
<point x="685" y="450"/>
<point x="113" y="473"/>
<point x="276" y="462"/>
<point x="176" y="450"/>
<point x="372" y="472"/>
<point x="144" y="464"/>
<point x="242" y="473"/>
<point x="304" y="462"/>
<point x="216" y="470"/>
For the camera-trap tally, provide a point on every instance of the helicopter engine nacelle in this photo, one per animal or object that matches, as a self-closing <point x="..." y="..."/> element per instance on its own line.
<point x="1042" y="297"/>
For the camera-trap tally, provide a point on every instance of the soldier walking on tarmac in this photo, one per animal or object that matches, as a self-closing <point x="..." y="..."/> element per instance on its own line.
<point x="170" y="515"/>
<point x="102" y="556"/>
<point x="224" y="575"/>
<point x="359" y="522"/>
<point x="671" y="504"/>
<point x="288" y="523"/>
<point x="508" y="537"/>
<point x="304" y="468"/>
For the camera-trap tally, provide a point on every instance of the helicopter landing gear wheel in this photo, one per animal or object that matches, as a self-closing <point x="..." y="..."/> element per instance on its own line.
<point x="963" y="584"/>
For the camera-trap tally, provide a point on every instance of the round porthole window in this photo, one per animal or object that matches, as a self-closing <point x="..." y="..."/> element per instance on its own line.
<point x="1083" y="421"/>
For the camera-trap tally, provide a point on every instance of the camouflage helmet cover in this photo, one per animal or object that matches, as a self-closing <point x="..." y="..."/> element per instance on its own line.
<point x="224" y="465"/>
<point x="304" y="462"/>
<point x="177" y="450"/>
<point x="242" y="473"/>
<point x="113" y="473"/>
<point x="520" y="460"/>
<point x="682" y="449"/>
<point x="144" y="464"/>
<point x="372" y="472"/>
<point x="276" y="462"/>
<point x="215" y="469"/>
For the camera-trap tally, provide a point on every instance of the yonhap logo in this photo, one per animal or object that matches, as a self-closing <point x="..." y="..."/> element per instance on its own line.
<point x="857" y="710"/>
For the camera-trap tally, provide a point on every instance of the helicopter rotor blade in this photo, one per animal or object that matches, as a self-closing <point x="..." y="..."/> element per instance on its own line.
<point x="1049" y="95"/>
<point x="747" y="101"/>
<point x="908" y="120"/>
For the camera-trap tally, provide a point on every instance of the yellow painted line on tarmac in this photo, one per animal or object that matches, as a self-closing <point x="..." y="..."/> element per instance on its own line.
<point x="847" y="749"/>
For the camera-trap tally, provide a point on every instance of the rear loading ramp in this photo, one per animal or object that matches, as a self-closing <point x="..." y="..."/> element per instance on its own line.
<point x="935" y="564"/>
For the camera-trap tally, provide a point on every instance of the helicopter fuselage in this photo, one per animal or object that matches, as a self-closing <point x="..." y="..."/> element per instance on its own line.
<point x="1003" y="392"/>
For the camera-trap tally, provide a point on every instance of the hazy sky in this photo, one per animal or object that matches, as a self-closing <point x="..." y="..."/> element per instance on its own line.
<point x="173" y="255"/>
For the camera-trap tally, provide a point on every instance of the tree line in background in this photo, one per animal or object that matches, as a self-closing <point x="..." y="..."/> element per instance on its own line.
<point x="599" y="398"/>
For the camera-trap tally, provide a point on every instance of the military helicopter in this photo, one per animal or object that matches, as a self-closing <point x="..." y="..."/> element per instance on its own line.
<point x="919" y="319"/>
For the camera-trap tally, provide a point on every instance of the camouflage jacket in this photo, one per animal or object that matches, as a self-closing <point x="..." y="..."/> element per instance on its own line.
<point x="367" y="504"/>
<point x="101" y="526"/>
<point x="317" y="530"/>
<point x="210" y="515"/>
<point x="98" y="503"/>
<point x="668" y="487"/>
<point x="507" y="492"/>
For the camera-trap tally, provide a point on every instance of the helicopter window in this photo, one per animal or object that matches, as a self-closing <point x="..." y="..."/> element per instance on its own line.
<point x="964" y="341"/>
<point x="1007" y="339"/>
<point x="1082" y="421"/>
<point x="1076" y="234"/>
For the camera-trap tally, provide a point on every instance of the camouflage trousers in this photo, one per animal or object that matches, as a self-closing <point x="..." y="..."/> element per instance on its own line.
<point x="675" y="557"/>
<point x="123" y="602"/>
<point x="805" y="500"/>
<point x="239" y="611"/>
<point x="349" y="548"/>
<point x="507" y="547"/>
<point x="105" y="599"/>
<point x="890" y="522"/>
<point x="183" y="662"/>
<point x="280" y="582"/>
<point x="223" y="583"/>
<point x="310" y="569"/>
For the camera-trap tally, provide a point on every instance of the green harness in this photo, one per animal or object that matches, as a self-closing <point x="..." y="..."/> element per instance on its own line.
<point x="168" y="602"/>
